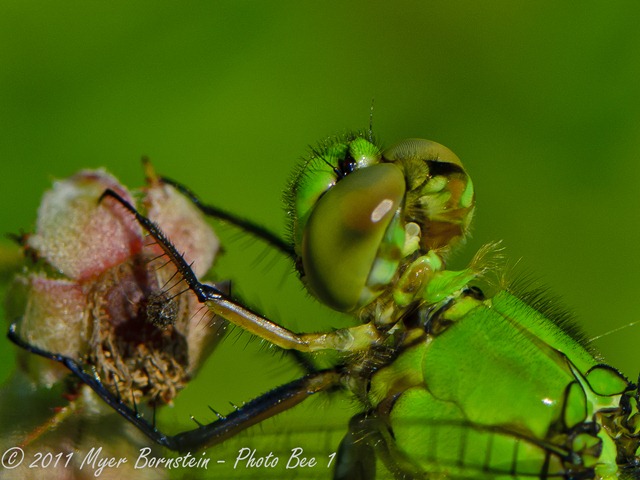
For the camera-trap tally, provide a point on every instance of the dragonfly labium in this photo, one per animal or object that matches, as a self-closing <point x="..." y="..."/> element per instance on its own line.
<point x="450" y="382"/>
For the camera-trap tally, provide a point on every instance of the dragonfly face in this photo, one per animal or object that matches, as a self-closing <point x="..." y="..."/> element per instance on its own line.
<point x="450" y="384"/>
<point x="358" y="213"/>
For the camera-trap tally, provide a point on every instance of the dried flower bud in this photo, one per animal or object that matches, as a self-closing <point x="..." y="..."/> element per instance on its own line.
<point x="98" y="291"/>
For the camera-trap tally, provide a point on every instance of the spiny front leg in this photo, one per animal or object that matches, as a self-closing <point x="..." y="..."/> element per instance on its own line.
<point x="356" y="338"/>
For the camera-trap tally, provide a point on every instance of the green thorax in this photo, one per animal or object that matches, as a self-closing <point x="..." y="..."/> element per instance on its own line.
<point x="504" y="390"/>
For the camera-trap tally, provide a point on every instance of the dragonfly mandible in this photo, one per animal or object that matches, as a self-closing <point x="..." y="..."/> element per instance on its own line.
<point x="450" y="382"/>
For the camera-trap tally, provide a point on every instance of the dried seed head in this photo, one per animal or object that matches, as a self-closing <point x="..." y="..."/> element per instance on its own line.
<point x="162" y="310"/>
<point x="100" y="293"/>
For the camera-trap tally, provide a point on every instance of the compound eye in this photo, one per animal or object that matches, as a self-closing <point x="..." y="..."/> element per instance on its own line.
<point x="418" y="148"/>
<point x="440" y="197"/>
<point x="344" y="233"/>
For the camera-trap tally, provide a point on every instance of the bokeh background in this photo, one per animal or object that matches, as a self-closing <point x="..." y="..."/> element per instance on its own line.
<point x="539" y="99"/>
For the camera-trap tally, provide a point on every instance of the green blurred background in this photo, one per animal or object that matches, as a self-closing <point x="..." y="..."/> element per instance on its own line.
<point x="539" y="99"/>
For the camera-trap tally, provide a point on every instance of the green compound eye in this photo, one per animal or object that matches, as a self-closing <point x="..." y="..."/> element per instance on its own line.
<point x="330" y="161"/>
<point x="418" y="148"/>
<point x="345" y="231"/>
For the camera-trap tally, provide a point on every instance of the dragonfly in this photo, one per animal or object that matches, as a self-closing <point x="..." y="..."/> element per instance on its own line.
<point x="451" y="381"/>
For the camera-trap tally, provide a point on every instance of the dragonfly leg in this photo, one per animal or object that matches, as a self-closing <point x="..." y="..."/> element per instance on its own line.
<point x="260" y="408"/>
<point x="265" y="406"/>
<point x="356" y="455"/>
<point x="355" y="338"/>
<point x="253" y="229"/>
<point x="246" y="225"/>
<point x="370" y="437"/>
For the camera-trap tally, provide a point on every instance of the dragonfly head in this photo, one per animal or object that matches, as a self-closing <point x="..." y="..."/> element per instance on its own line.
<point x="358" y="214"/>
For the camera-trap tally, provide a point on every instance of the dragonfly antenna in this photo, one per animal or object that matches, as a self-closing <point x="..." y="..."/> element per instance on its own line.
<point x="371" y="122"/>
